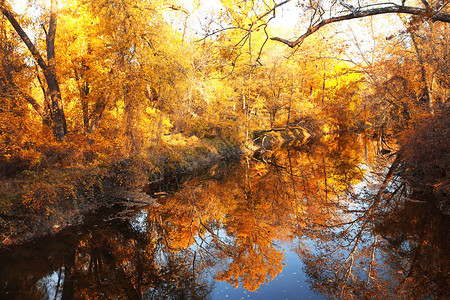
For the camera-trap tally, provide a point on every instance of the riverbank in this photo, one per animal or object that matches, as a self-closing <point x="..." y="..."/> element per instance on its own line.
<point x="39" y="202"/>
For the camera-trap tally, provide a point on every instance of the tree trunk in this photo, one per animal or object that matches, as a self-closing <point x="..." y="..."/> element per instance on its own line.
<point x="84" y="90"/>
<point x="425" y="95"/>
<point x="57" y="111"/>
<point x="57" y="116"/>
<point x="69" y="276"/>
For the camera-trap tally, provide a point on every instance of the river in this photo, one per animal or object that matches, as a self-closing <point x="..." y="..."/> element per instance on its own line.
<point x="327" y="219"/>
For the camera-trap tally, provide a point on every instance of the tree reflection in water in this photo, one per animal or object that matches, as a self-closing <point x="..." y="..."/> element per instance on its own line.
<point x="240" y="220"/>
<point x="113" y="261"/>
<point x="393" y="243"/>
<point x="369" y="240"/>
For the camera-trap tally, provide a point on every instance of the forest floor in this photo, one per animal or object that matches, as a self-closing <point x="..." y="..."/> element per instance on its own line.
<point x="39" y="202"/>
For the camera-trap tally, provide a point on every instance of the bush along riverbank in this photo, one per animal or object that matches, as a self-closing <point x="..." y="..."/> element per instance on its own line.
<point x="34" y="203"/>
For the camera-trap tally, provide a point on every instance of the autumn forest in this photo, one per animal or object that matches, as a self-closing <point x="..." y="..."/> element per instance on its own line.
<point x="112" y="102"/>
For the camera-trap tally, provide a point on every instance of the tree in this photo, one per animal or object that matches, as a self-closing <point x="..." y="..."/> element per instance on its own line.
<point x="17" y="107"/>
<point x="57" y="119"/>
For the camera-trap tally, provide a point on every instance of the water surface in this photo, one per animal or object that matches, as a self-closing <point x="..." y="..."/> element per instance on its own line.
<point x="326" y="219"/>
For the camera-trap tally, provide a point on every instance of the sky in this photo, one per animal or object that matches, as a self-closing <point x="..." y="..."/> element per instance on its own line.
<point x="19" y="5"/>
<point x="286" y="18"/>
<point x="287" y="15"/>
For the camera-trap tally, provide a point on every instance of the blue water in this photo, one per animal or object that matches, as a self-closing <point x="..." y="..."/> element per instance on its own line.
<point x="289" y="284"/>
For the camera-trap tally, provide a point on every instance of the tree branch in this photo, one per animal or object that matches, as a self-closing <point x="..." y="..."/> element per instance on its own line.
<point x="273" y="9"/>
<point x="37" y="56"/>
<point x="178" y="8"/>
<point x="361" y="13"/>
<point x="50" y="37"/>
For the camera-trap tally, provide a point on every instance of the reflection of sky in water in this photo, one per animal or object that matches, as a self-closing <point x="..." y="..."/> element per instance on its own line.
<point x="48" y="285"/>
<point x="289" y="284"/>
<point x="138" y="222"/>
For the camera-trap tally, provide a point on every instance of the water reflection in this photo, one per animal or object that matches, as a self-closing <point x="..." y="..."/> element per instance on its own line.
<point x="349" y="219"/>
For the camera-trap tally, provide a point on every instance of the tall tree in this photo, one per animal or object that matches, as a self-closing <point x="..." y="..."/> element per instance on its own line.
<point x="53" y="94"/>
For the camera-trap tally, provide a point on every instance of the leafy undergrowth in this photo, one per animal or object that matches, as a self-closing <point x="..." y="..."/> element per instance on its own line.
<point x="43" y="200"/>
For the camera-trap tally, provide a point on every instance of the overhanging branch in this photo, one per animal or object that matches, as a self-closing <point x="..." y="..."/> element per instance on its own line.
<point x="361" y="13"/>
